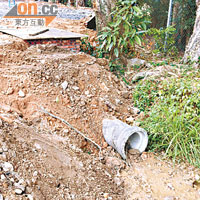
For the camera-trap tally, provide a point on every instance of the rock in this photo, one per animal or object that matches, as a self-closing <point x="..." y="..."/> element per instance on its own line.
<point x="1" y="197"/>
<point x="169" y="198"/>
<point x="197" y="177"/>
<point x="75" y="88"/>
<point x="5" y="148"/>
<point x="125" y="94"/>
<point x="3" y="177"/>
<point x="142" y="75"/>
<point x="7" y="167"/>
<point x="134" y="110"/>
<point x="102" y="61"/>
<point x="170" y="186"/>
<point x="130" y="119"/>
<point x="21" y="93"/>
<point x="35" y="173"/>
<point x="1" y="123"/>
<point x="105" y="195"/>
<point x="10" y="91"/>
<point x="104" y="87"/>
<point x="117" y="101"/>
<point x="30" y="197"/>
<point x="42" y="61"/>
<point x="3" y="157"/>
<point x="64" y="85"/>
<point x="135" y="61"/>
<point x="118" y="181"/>
<point x="149" y="65"/>
<point x="113" y="162"/>
<point x="18" y="191"/>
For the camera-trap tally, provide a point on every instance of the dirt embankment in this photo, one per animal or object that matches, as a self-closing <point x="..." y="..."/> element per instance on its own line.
<point x="41" y="158"/>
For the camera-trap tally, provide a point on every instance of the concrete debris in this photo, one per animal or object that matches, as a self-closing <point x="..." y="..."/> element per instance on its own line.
<point x="7" y="167"/>
<point x="64" y="85"/>
<point x="142" y="75"/>
<point x="21" y="93"/>
<point x="135" y="61"/>
<point x="1" y="197"/>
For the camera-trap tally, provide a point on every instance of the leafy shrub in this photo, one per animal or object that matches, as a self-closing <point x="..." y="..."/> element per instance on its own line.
<point x="128" y="24"/>
<point x="174" y="120"/>
<point x="164" y="40"/>
<point x="87" y="47"/>
<point x="144" y="94"/>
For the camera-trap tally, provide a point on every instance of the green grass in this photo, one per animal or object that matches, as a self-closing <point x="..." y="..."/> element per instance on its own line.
<point x="173" y="121"/>
<point x="145" y="94"/>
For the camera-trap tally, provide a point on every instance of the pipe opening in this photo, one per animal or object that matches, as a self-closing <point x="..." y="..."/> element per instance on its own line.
<point x="133" y="142"/>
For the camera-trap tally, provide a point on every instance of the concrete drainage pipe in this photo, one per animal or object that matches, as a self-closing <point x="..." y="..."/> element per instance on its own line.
<point x="119" y="134"/>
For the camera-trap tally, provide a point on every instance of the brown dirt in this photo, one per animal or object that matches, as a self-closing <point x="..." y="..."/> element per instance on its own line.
<point x="55" y="162"/>
<point x="50" y="160"/>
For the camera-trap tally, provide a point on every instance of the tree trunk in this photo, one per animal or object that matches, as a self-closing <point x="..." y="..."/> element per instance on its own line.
<point x="192" y="51"/>
<point x="104" y="8"/>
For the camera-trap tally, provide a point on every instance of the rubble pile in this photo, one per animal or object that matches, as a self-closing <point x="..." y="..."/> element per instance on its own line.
<point x="32" y="168"/>
<point x="81" y="88"/>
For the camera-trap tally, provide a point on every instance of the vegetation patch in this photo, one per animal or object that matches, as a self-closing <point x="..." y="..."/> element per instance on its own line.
<point x="173" y="122"/>
<point x="145" y="93"/>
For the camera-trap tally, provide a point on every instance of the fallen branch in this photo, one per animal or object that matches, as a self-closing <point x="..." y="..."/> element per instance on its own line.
<point x="73" y="128"/>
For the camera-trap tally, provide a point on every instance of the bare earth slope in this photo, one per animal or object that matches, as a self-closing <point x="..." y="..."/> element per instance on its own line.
<point x="41" y="158"/>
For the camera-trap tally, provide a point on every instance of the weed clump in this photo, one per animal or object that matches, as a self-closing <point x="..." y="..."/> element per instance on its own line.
<point x="173" y="122"/>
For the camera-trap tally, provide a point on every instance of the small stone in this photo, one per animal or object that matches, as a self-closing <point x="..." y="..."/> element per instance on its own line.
<point x="87" y="92"/>
<point x="1" y="197"/>
<point x="7" y="167"/>
<point x="135" y="61"/>
<point x="64" y="85"/>
<point x="5" y="149"/>
<point x="35" y="173"/>
<point x="18" y="191"/>
<point x="37" y="146"/>
<point x="169" y="198"/>
<point x="1" y="123"/>
<point x="42" y="61"/>
<point x="75" y="88"/>
<point x="170" y="186"/>
<point x="113" y="162"/>
<point x="65" y="131"/>
<point x="134" y="110"/>
<point x="105" y="195"/>
<point x="130" y="119"/>
<point x="197" y="177"/>
<point x="118" y="181"/>
<point x="21" y="93"/>
<point x="3" y="177"/>
<point x="117" y="101"/>
<point x="3" y="157"/>
<point x="125" y="95"/>
<point x="30" y="197"/>
<point x="10" y="91"/>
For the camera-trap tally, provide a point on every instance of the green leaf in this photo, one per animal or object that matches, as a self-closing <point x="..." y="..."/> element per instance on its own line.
<point x="136" y="9"/>
<point x="118" y="22"/>
<point x="114" y="40"/>
<point x="102" y="46"/>
<point x="119" y="42"/>
<point x="137" y="39"/>
<point x="110" y="47"/>
<point x="116" y="51"/>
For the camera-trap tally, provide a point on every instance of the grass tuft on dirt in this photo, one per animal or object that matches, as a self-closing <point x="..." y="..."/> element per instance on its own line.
<point x="173" y="121"/>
